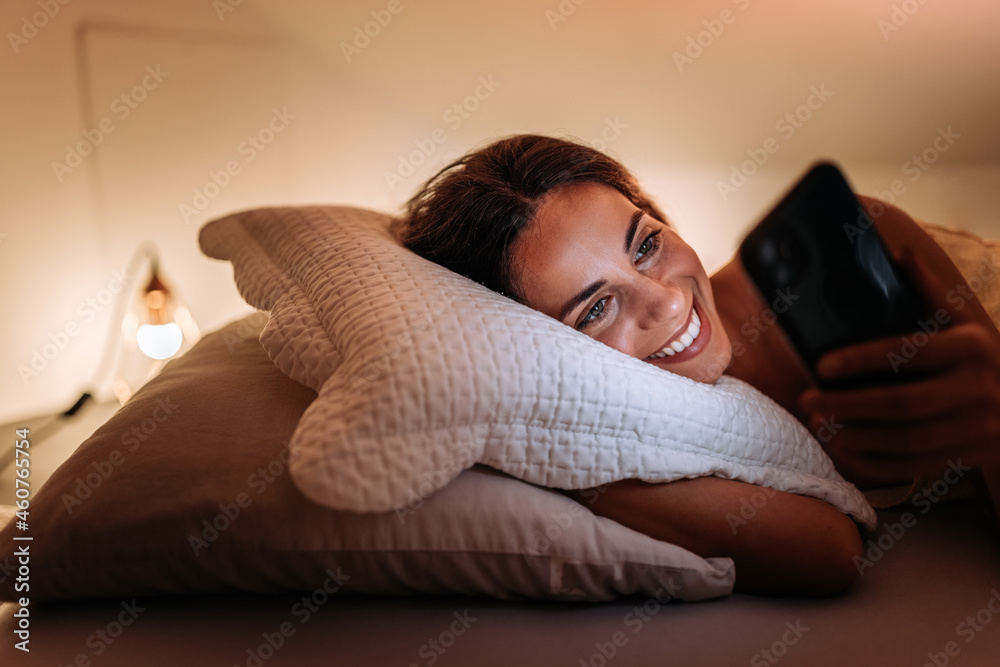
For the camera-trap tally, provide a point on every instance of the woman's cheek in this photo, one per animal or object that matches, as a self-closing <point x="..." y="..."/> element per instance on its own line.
<point x="617" y="337"/>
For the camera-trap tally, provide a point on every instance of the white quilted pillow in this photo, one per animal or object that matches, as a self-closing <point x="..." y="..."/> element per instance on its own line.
<point x="421" y="373"/>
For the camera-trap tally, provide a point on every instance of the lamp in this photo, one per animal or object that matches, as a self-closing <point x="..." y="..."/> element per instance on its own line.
<point x="156" y="327"/>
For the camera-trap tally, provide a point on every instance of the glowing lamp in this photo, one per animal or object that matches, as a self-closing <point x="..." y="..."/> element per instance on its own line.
<point x="156" y="328"/>
<point x="159" y="341"/>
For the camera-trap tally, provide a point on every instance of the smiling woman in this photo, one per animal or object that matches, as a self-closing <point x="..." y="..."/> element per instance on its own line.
<point x="647" y="295"/>
<point x="566" y="230"/>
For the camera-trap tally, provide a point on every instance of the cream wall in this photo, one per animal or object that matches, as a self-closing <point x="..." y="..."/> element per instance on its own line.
<point x="883" y="78"/>
<point x="66" y="234"/>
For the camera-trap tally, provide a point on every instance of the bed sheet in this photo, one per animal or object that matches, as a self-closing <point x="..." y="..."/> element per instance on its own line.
<point x="929" y="594"/>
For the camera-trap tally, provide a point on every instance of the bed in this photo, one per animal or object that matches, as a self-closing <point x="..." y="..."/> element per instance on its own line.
<point x="178" y="533"/>
<point x="908" y="610"/>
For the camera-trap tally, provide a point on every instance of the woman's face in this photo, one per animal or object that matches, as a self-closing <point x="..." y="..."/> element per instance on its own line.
<point x="593" y="260"/>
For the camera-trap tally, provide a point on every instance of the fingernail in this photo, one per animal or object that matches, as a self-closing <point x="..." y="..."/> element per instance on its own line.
<point x="830" y="366"/>
<point x="808" y="400"/>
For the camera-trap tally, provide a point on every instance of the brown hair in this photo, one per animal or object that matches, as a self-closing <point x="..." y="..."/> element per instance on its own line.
<point x="468" y="216"/>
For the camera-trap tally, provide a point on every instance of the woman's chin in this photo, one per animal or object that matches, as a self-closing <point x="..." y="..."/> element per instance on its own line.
<point x="706" y="358"/>
<point x="706" y="373"/>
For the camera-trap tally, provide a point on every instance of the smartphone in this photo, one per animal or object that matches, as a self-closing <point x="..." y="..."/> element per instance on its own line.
<point x="819" y="251"/>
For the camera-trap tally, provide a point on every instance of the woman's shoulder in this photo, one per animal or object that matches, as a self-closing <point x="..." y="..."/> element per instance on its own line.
<point x="977" y="259"/>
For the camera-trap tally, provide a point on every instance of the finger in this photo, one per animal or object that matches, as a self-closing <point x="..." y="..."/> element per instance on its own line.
<point x="869" y="473"/>
<point x="935" y="345"/>
<point x="874" y="471"/>
<point x="899" y="452"/>
<point x="930" y="440"/>
<point x="918" y="400"/>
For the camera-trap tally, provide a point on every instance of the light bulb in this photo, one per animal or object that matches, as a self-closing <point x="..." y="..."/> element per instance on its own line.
<point x="159" y="341"/>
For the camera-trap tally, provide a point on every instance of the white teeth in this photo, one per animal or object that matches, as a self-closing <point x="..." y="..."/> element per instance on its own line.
<point x="681" y="344"/>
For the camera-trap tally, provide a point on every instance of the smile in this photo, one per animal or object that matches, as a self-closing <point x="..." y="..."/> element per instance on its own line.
<point x="688" y="343"/>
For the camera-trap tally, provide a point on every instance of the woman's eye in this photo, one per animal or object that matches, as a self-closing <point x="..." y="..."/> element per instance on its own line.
<point x="594" y="314"/>
<point x="648" y="245"/>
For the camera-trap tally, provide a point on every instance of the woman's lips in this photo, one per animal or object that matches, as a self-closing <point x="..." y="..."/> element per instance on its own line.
<point x="694" y="348"/>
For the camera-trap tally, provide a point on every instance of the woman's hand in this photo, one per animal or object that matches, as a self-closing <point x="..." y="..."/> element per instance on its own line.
<point x="945" y="409"/>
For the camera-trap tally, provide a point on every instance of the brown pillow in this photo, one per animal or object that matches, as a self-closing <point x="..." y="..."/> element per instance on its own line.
<point x="186" y="490"/>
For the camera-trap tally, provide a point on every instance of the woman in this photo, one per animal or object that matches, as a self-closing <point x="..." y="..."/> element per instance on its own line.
<point x="567" y="231"/>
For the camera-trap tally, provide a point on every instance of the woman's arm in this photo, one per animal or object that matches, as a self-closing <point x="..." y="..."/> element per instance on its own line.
<point x="781" y="543"/>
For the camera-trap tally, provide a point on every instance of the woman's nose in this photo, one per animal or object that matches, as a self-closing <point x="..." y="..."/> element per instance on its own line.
<point x="662" y="304"/>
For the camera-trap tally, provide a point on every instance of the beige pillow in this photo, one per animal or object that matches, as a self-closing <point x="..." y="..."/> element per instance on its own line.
<point x="186" y="490"/>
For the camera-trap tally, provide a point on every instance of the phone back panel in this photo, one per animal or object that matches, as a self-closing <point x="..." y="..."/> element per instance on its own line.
<point x="819" y="251"/>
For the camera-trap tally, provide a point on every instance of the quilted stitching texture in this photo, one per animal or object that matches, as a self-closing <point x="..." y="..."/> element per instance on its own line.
<point x="421" y="373"/>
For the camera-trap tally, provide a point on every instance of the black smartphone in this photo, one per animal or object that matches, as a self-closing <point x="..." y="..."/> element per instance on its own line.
<point x="819" y="251"/>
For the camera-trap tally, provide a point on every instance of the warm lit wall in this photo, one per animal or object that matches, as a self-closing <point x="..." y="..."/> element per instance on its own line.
<point x="159" y="101"/>
<point x="883" y="79"/>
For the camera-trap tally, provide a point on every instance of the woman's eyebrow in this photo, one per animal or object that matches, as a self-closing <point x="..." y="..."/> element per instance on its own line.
<point x="584" y="294"/>
<point x="591" y="289"/>
<point x="633" y="225"/>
